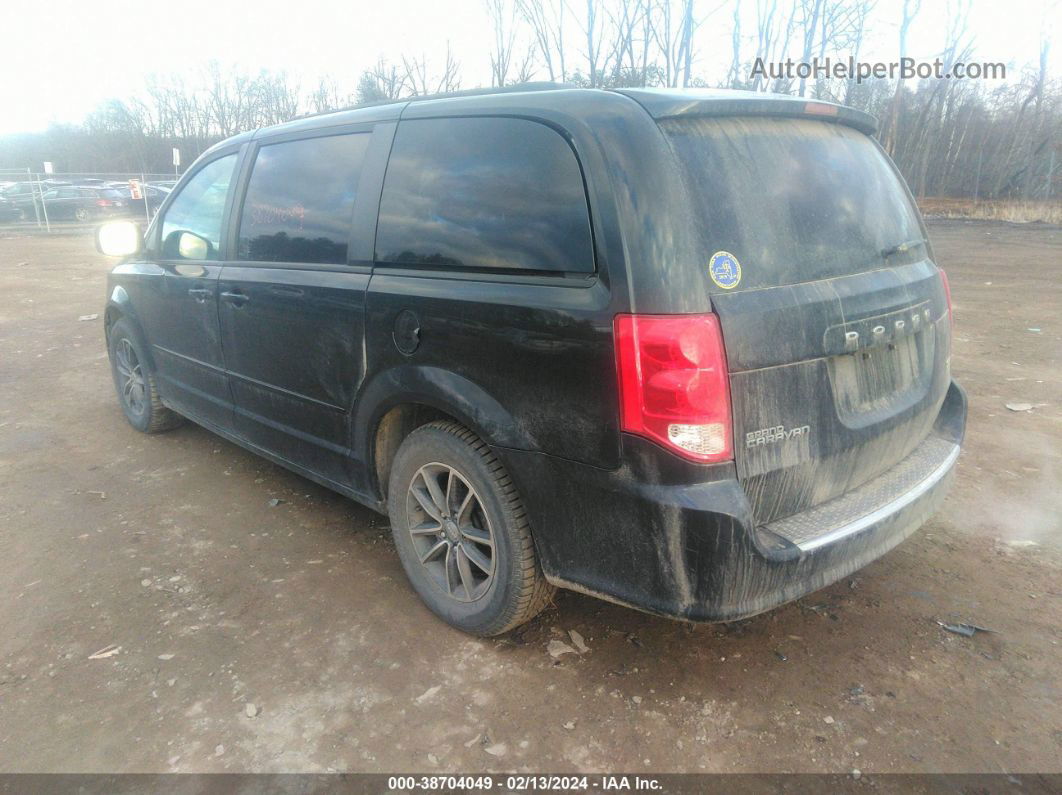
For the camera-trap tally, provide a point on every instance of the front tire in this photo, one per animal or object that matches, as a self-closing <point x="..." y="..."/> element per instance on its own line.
<point x="462" y="533"/>
<point x="137" y="389"/>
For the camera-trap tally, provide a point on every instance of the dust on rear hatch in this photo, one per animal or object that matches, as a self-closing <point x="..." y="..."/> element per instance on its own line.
<point x="784" y="201"/>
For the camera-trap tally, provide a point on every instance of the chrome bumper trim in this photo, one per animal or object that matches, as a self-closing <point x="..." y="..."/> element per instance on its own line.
<point x="886" y="510"/>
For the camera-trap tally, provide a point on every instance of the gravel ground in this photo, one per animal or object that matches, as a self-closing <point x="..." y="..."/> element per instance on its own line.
<point x="158" y="614"/>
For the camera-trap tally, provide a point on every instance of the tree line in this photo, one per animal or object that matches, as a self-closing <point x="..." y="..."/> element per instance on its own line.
<point x="962" y="138"/>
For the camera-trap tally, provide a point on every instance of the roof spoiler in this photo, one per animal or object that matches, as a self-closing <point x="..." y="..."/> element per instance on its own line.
<point x="670" y="104"/>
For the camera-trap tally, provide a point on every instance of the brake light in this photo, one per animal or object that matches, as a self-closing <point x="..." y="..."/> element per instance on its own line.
<point x="103" y="202"/>
<point x="673" y="381"/>
<point x="947" y="295"/>
<point x="820" y="109"/>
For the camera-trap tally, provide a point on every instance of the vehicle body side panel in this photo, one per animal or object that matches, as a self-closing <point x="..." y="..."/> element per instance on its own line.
<point x="294" y="342"/>
<point x="535" y="349"/>
<point x="436" y="388"/>
<point x="293" y="351"/>
<point x="181" y="330"/>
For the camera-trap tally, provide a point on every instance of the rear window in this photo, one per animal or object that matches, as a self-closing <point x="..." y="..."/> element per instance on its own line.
<point x="300" y="200"/>
<point x="484" y="193"/>
<point x="793" y="200"/>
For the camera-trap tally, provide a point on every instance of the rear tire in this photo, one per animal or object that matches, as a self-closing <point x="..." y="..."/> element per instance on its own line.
<point x="462" y="533"/>
<point x="135" y="383"/>
<point x="81" y="214"/>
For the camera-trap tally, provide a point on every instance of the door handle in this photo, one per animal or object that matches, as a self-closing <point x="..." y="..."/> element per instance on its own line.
<point x="200" y="294"/>
<point x="290" y="292"/>
<point x="236" y="298"/>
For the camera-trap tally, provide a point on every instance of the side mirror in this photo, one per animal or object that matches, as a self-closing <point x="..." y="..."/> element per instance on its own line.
<point x="119" y="239"/>
<point x="193" y="247"/>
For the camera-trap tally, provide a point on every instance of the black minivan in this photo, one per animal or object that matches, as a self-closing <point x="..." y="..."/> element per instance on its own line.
<point x="687" y="351"/>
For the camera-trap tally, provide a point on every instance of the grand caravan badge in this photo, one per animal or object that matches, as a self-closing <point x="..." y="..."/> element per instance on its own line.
<point x="778" y="433"/>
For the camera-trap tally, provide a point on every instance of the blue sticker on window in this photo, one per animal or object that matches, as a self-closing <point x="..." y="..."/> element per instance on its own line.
<point x="725" y="270"/>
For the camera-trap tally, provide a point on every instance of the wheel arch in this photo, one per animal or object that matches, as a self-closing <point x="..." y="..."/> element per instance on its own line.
<point x="120" y="307"/>
<point x="401" y="399"/>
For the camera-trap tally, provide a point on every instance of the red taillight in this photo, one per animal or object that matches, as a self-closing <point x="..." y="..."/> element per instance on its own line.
<point x="820" y="109"/>
<point x="673" y="383"/>
<point x="103" y="202"/>
<point x="947" y="295"/>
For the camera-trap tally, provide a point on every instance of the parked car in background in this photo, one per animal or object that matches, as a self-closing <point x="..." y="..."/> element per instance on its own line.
<point x="8" y="211"/>
<point x="71" y="202"/>
<point x="152" y="195"/>
<point x="21" y="197"/>
<point x="14" y="191"/>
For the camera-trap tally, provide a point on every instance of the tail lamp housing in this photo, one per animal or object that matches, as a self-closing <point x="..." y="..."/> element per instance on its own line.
<point x="674" y="387"/>
<point x="947" y="295"/>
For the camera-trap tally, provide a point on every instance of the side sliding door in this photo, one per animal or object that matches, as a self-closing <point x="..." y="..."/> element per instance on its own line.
<point x="291" y="303"/>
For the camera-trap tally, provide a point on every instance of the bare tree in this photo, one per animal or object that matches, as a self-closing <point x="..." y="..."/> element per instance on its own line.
<point x="1025" y="134"/>
<point x="526" y="70"/>
<point x="925" y="138"/>
<point x="229" y="100"/>
<point x="888" y="137"/>
<point x="503" y="29"/>
<point x="382" y="82"/>
<point x="628" y="49"/>
<point x="546" y="20"/>
<point x="419" y="81"/>
<point x="861" y="12"/>
<point x="276" y="98"/>
<point x="948" y="137"/>
<point x="325" y="96"/>
<point x="773" y="31"/>
<point x="593" y="37"/>
<point x="673" y="28"/>
<point x="810" y="11"/>
<point x="733" y="78"/>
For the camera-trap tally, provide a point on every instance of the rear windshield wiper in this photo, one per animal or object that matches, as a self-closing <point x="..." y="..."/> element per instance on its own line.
<point x="899" y="248"/>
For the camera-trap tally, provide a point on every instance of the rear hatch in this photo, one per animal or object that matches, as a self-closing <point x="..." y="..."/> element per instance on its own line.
<point x="834" y="316"/>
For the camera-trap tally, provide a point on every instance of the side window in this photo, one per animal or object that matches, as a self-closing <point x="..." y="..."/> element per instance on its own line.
<point x="66" y="193"/>
<point x="198" y="209"/>
<point x="300" y="200"/>
<point x="484" y="193"/>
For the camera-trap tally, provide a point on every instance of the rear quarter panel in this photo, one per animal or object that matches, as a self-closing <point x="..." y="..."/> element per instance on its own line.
<point x="541" y="348"/>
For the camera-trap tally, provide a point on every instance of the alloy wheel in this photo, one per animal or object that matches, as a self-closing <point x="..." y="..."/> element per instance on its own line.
<point x="450" y="531"/>
<point x="130" y="377"/>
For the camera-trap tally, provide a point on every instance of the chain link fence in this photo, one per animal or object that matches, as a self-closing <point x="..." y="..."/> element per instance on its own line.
<point x="63" y="201"/>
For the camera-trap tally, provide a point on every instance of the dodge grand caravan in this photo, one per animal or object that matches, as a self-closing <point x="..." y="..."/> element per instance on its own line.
<point x="684" y="351"/>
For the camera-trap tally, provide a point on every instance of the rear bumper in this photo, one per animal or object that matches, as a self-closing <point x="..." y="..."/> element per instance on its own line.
<point x="645" y="537"/>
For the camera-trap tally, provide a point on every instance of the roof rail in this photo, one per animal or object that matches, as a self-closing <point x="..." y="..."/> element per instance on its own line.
<point x="543" y="85"/>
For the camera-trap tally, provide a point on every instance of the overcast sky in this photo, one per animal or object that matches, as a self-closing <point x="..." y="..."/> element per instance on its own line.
<point x="62" y="57"/>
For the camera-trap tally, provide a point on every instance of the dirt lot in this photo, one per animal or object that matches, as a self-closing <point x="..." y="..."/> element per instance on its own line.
<point x="168" y="548"/>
